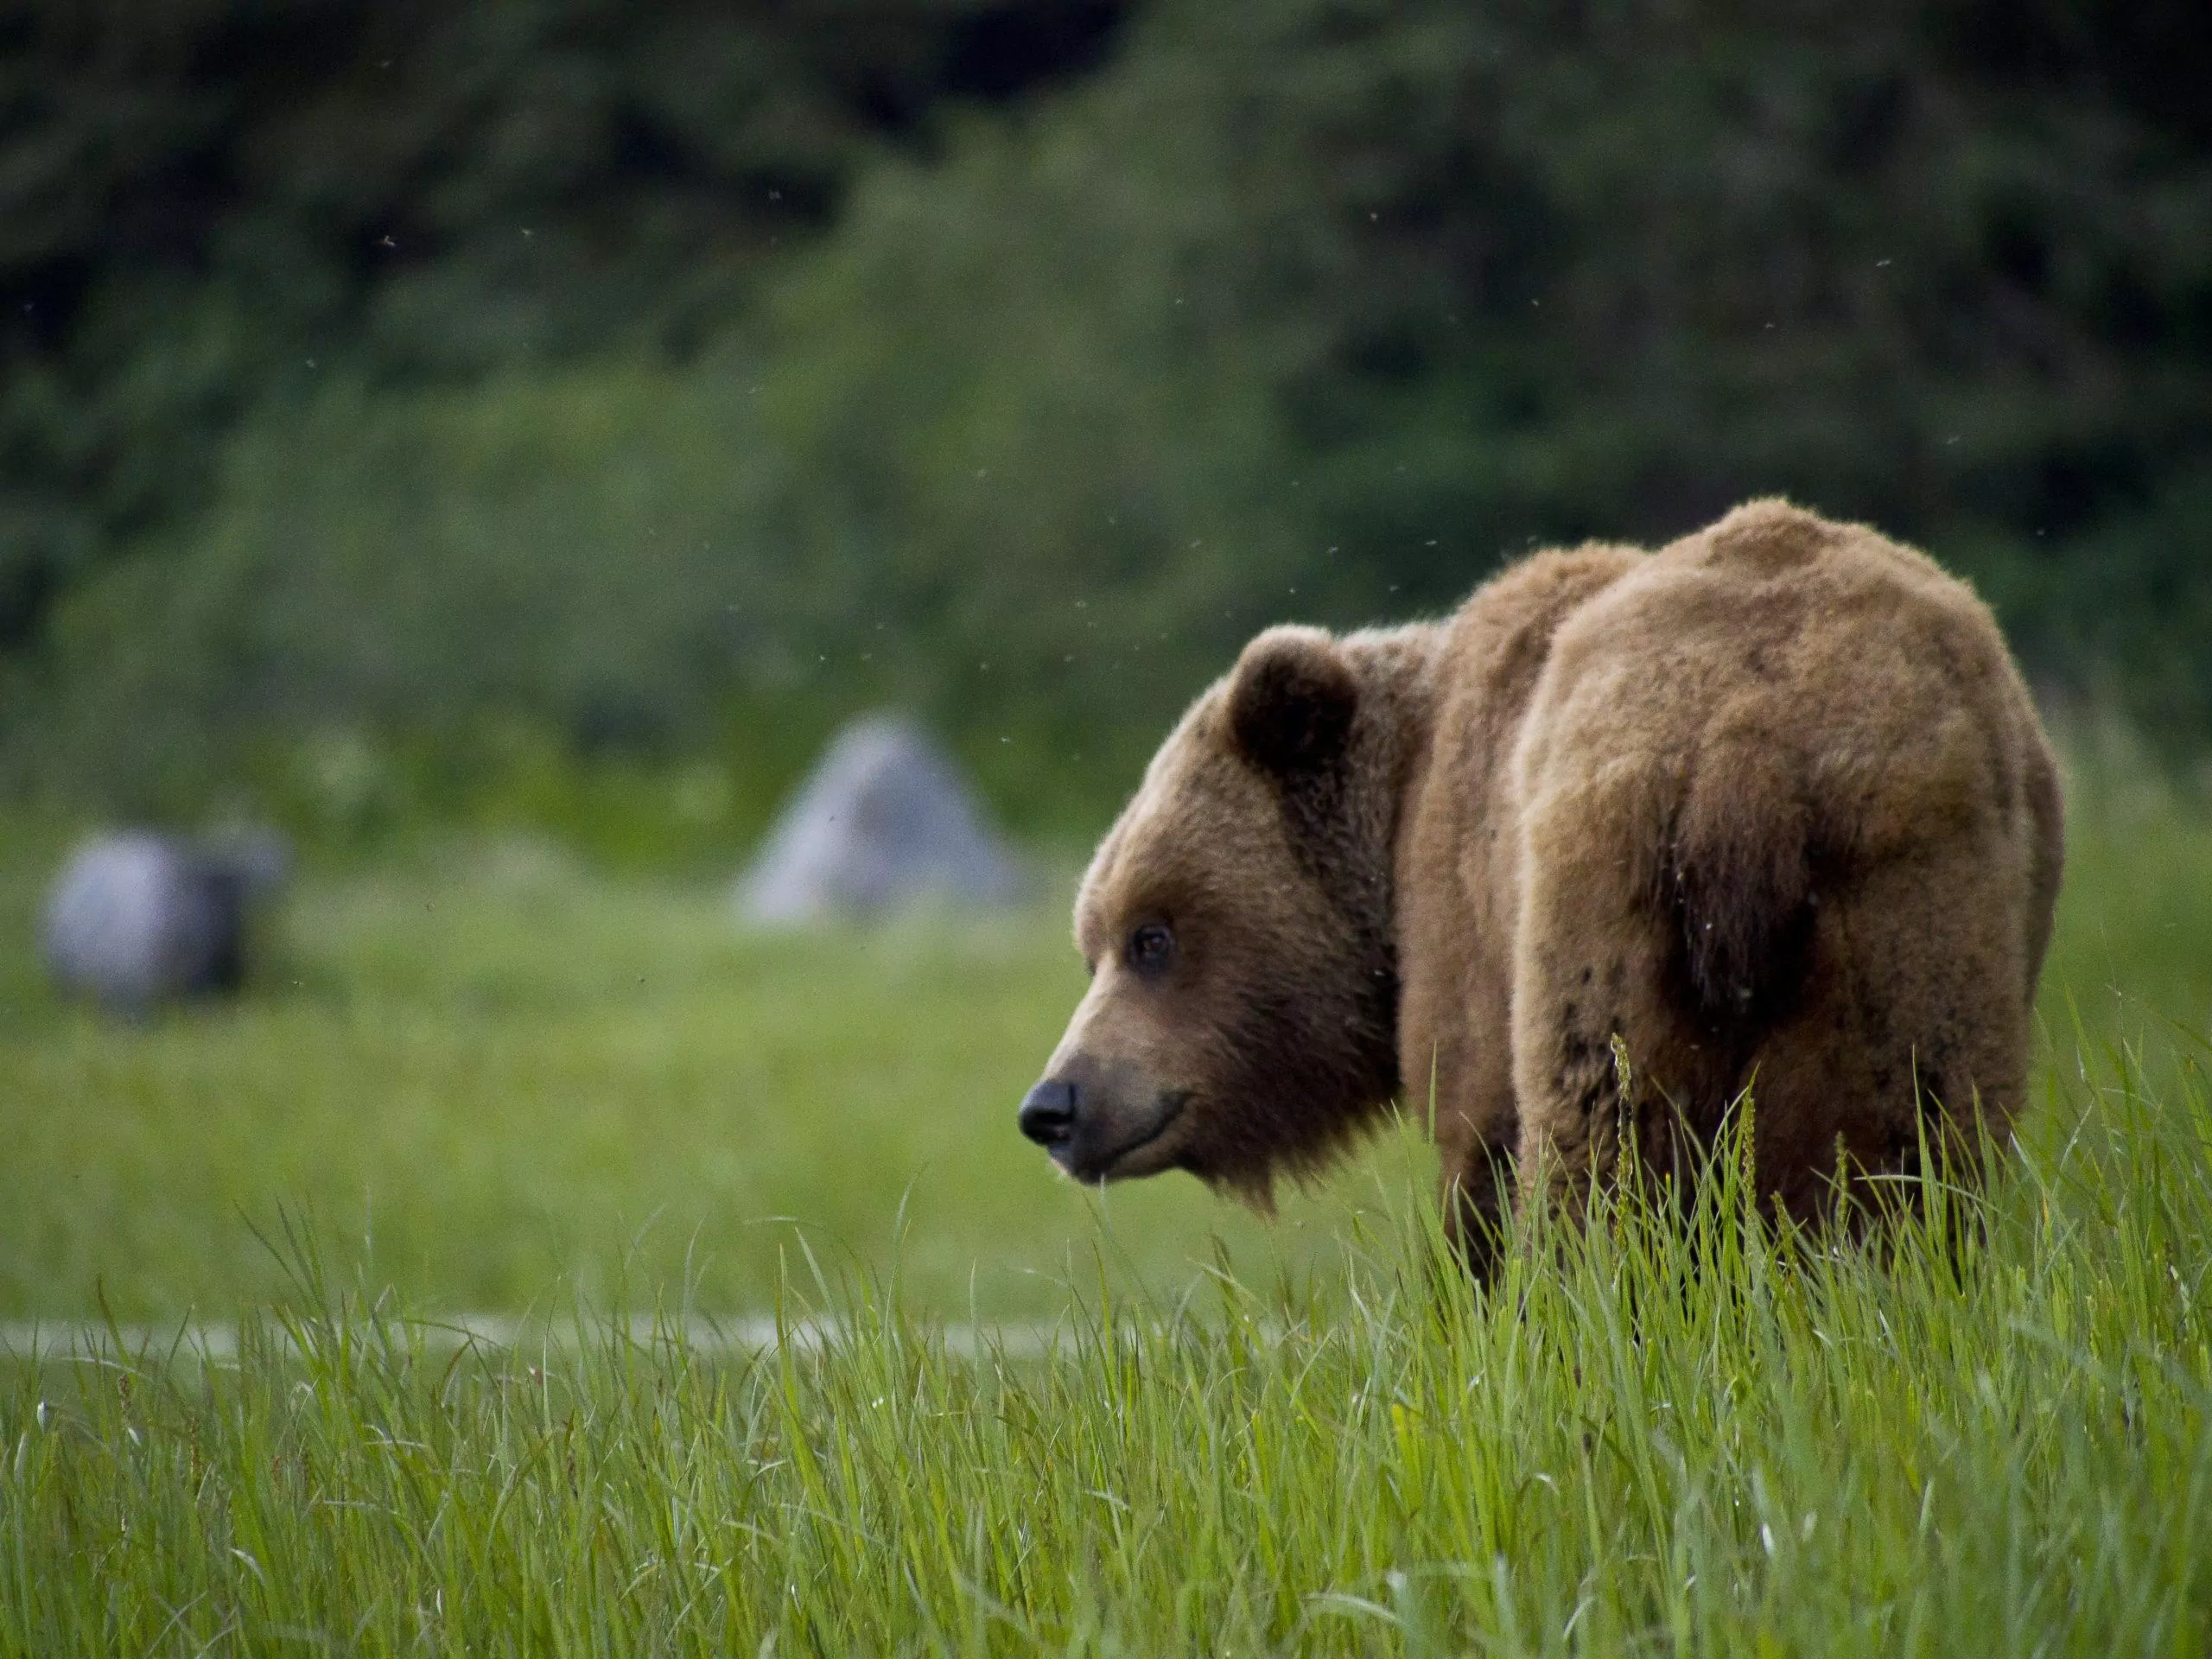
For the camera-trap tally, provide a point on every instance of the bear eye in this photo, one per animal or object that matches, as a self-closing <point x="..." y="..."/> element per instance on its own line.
<point x="1152" y="947"/>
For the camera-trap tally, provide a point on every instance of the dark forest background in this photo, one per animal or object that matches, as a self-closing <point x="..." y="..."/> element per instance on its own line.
<point x="565" y="411"/>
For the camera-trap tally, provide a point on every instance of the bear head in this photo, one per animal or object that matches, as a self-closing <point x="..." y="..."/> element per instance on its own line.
<point x="1240" y="1020"/>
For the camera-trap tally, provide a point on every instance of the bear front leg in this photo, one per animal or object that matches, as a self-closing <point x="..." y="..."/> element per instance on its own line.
<point x="1477" y="1200"/>
<point x="1455" y="1043"/>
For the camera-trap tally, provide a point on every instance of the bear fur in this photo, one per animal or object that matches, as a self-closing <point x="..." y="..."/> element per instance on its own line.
<point x="1571" y="871"/>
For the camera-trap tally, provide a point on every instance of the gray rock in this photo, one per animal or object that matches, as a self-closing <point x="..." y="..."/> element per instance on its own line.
<point x="884" y="820"/>
<point x="137" y="920"/>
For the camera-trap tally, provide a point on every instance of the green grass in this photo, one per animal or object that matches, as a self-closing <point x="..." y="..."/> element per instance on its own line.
<point x="1660" y="1440"/>
<point x="500" y="1082"/>
<point x="496" y="1082"/>
<point x="491" y="1082"/>
<point x="506" y="1083"/>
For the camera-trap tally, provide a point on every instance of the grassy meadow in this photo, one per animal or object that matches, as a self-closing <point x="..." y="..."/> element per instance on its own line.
<point x="493" y="1082"/>
<point x="484" y="1080"/>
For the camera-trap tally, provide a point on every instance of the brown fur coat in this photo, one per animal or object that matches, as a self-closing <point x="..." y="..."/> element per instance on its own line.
<point x="1769" y="810"/>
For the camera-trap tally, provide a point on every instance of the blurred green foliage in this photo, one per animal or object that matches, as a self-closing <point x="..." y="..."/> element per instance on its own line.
<point x="205" y="203"/>
<point x="468" y="392"/>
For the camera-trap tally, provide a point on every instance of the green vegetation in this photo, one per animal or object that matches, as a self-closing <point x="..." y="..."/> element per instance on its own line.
<point x="484" y="1080"/>
<point x="1694" y="1439"/>
<point x="503" y="1084"/>
<point x="462" y="432"/>
<point x="534" y="369"/>
<point x="496" y="1082"/>
<point x="205" y="208"/>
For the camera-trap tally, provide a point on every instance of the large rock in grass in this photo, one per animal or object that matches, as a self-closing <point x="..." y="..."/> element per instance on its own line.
<point x="137" y="920"/>
<point x="884" y="821"/>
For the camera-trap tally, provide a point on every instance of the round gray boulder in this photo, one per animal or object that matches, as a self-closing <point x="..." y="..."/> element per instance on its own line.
<point x="135" y="918"/>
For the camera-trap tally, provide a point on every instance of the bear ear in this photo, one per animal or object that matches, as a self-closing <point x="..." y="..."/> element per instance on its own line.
<point x="1291" y="701"/>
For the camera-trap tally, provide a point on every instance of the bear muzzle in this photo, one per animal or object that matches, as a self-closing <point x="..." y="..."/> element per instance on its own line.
<point x="1048" y="1112"/>
<point x="1091" y="1131"/>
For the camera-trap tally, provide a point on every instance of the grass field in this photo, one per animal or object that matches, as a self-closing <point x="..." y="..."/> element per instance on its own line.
<point x="494" y="1084"/>
<point x="485" y="1081"/>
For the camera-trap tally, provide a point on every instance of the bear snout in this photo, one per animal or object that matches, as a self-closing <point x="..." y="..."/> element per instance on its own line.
<point x="1104" y="1122"/>
<point x="1048" y="1112"/>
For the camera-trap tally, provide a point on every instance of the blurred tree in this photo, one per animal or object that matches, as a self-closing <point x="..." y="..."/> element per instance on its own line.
<point x="1309" y="308"/>
<point x="1359" y="299"/>
<point x="207" y="202"/>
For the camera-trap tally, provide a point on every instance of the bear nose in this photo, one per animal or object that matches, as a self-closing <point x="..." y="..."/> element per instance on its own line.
<point x="1048" y="1112"/>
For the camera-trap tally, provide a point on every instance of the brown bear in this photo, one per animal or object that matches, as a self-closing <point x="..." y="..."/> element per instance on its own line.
<point x="1768" y="810"/>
